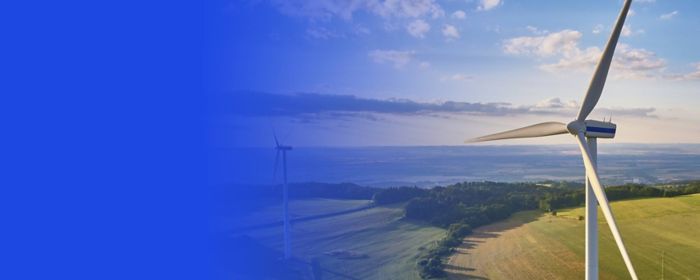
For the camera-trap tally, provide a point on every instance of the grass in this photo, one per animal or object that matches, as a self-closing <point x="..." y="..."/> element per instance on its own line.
<point x="531" y="245"/>
<point x="391" y="245"/>
<point x="301" y="208"/>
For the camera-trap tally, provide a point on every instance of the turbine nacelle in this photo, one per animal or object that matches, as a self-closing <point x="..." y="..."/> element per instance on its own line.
<point x="592" y="128"/>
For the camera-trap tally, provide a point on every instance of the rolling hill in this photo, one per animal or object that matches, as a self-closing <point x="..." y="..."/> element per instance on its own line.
<point x="533" y="245"/>
<point x="374" y="243"/>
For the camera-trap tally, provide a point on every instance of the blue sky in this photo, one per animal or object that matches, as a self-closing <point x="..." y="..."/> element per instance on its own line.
<point x="465" y="68"/>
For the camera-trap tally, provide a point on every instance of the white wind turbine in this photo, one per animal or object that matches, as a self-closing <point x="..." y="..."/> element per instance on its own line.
<point x="586" y="132"/>
<point x="285" y="195"/>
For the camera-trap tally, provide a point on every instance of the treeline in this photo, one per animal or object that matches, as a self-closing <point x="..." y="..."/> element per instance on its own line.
<point x="553" y="201"/>
<point x="396" y="195"/>
<point x="430" y="265"/>
<point x="474" y="204"/>
<point x="691" y="187"/>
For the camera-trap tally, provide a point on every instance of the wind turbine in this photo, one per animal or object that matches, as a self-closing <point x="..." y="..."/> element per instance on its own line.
<point x="586" y="132"/>
<point x="285" y="195"/>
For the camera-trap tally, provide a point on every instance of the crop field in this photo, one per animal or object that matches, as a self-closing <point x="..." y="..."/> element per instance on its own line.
<point x="532" y="245"/>
<point x="301" y="208"/>
<point x="369" y="244"/>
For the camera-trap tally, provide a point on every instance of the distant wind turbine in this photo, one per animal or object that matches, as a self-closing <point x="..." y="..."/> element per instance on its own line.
<point x="586" y="132"/>
<point x="285" y="195"/>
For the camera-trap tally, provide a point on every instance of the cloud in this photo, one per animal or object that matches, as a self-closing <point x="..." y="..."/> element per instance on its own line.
<point x="450" y="32"/>
<point x="329" y="9"/>
<point x="322" y="33"/>
<point x="398" y="58"/>
<point x="406" y="8"/>
<point x="553" y="43"/>
<point x="305" y="105"/>
<point x="693" y="75"/>
<point x="457" y="77"/>
<point x="628" y="62"/>
<point x="668" y="16"/>
<point x="597" y="29"/>
<point x="535" y="30"/>
<point x="627" y="31"/>
<point x="418" y="28"/>
<point x="360" y="29"/>
<point x="556" y="106"/>
<point x="459" y="14"/>
<point x="632" y="61"/>
<point x="485" y="5"/>
<point x="555" y="103"/>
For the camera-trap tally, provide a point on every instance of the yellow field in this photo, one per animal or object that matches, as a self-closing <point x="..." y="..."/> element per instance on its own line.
<point x="531" y="245"/>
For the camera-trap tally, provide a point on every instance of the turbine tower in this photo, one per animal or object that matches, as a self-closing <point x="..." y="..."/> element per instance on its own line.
<point x="586" y="132"/>
<point x="285" y="195"/>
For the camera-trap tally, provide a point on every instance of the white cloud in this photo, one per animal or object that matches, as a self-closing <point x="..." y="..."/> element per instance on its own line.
<point x="418" y="28"/>
<point x="485" y="5"/>
<point x="668" y="16"/>
<point x="457" y="77"/>
<point x="424" y="64"/>
<point x="627" y="63"/>
<point x="598" y="28"/>
<point x="555" y="103"/>
<point x="405" y="8"/>
<point x="627" y="31"/>
<point x="360" y="29"/>
<point x="322" y="33"/>
<point x="459" y="14"/>
<point x="450" y="32"/>
<point x="556" y="106"/>
<point x="636" y="63"/>
<point x="535" y="30"/>
<point x="693" y="75"/>
<point x="544" y="46"/>
<point x="631" y="13"/>
<point x="398" y="58"/>
<point x="328" y="9"/>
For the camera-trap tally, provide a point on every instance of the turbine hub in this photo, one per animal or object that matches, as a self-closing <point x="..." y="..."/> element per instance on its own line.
<point x="576" y="127"/>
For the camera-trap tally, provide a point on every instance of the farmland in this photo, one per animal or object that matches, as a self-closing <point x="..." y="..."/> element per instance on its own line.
<point x="375" y="243"/>
<point x="533" y="245"/>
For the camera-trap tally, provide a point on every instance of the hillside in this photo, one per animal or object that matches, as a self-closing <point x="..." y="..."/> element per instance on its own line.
<point x="373" y="243"/>
<point x="533" y="245"/>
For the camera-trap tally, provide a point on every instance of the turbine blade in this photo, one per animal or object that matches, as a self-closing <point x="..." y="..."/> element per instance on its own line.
<point x="537" y="130"/>
<point x="603" y="202"/>
<point x="595" y="88"/>
<point x="277" y="143"/>
<point x="274" y="172"/>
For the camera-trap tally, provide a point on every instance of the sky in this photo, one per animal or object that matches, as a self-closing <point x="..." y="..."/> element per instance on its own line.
<point x="425" y="72"/>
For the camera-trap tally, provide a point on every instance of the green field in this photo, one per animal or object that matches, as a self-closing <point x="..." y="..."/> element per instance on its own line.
<point x="301" y="208"/>
<point x="386" y="245"/>
<point x="531" y="245"/>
